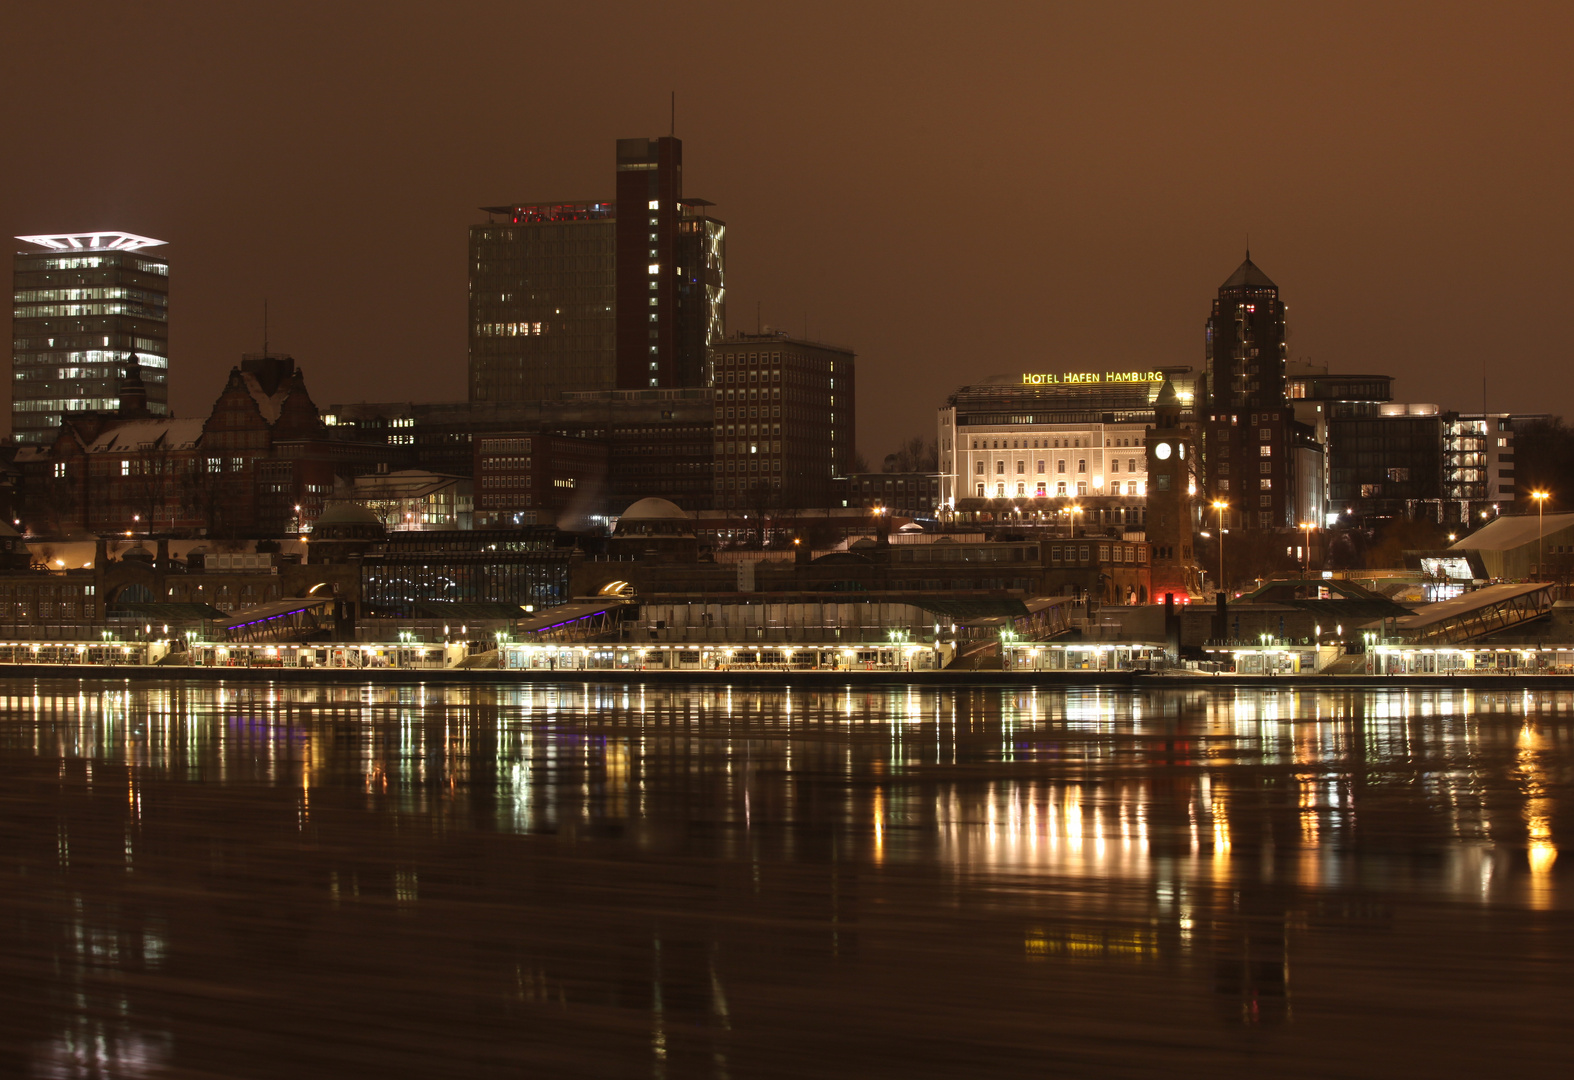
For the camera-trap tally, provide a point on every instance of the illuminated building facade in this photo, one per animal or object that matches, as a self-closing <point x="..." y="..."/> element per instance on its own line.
<point x="1038" y="444"/>
<point x="570" y="296"/>
<point x="83" y="305"/>
<point x="785" y="421"/>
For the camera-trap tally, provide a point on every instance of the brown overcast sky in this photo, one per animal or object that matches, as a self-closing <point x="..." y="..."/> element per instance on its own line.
<point x="951" y="189"/>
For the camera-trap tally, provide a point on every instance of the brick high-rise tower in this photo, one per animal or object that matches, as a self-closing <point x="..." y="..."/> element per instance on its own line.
<point x="1248" y="427"/>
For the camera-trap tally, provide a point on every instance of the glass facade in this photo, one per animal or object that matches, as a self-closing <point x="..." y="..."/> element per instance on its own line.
<point x="392" y="585"/>
<point x="542" y="297"/>
<point x="77" y="318"/>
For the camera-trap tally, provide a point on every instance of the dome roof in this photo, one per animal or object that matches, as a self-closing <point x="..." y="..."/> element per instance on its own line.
<point x="653" y="510"/>
<point x="347" y="513"/>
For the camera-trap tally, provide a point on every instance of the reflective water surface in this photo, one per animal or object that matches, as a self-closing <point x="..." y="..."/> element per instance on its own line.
<point x="667" y="881"/>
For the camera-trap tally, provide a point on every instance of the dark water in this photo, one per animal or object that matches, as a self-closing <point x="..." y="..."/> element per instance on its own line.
<point x="682" y="881"/>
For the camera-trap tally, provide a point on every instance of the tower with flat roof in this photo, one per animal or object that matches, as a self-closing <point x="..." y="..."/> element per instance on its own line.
<point x="86" y="307"/>
<point x="584" y="295"/>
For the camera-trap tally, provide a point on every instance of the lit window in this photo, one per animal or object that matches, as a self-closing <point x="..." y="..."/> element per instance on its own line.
<point x="1265" y="451"/>
<point x="653" y="205"/>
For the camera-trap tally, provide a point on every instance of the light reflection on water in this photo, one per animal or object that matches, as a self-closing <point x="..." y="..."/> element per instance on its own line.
<point x="711" y="860"/>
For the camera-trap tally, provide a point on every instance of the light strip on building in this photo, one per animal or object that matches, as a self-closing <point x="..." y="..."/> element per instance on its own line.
<point x="100" y="241"/>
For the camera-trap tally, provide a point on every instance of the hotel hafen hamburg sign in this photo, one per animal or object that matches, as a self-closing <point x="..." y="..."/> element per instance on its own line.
<point x="1071" y="378"/>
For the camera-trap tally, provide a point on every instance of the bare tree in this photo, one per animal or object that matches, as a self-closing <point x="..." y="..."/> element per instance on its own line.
<point x="915" y="455"/>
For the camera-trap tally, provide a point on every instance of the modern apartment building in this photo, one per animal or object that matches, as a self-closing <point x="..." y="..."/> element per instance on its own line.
<point x="1258" y="458"/>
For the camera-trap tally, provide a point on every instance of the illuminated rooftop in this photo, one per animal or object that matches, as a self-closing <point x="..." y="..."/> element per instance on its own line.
<point x="93" y="241"/>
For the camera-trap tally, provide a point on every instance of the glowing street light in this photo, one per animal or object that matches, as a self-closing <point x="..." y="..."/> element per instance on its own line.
<point x="1221" y="506"/>
<point x="1541" y="498"/>
<point x="1306" y="532"/>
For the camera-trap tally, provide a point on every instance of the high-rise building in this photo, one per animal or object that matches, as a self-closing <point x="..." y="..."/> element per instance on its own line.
<point x="83" y="305"/>
<point x="1258" y="458"/>
<point x="581" y="295"/>
<point x="671" y="270"/>
<point x="785" y="421"/>
<point x="543" y="289"/>
<point x="1246" y="342"/>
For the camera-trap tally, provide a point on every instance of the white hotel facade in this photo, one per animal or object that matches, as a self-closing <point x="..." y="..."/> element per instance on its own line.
<point x="1037" y="443"/>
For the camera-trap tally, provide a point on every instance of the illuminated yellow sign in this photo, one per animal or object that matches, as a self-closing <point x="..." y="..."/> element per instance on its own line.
<point x="1070" y="378"/>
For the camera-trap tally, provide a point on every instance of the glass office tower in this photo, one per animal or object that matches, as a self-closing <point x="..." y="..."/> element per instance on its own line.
<point x="82" y="304"/>
<point x="623" y="294"/>
<point x="542" y="292"/>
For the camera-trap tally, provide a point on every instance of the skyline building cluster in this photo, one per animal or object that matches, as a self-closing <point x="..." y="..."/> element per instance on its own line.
<point x="598" y="343"/>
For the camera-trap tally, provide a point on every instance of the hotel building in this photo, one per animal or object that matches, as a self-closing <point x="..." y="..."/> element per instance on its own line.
<point x="83" y="304"/>
<point x="1043" y="442"/>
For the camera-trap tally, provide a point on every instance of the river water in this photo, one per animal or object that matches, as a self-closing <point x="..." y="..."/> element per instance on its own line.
<point x="620" y="880"/>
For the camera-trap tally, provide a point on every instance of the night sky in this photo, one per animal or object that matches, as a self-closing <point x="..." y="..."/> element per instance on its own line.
<point x="952" y="190"/>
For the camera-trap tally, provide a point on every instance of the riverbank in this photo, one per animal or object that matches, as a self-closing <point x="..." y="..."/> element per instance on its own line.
<point x="823" y="677"/>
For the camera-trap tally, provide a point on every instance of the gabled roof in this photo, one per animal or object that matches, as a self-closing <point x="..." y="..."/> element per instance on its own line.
<point x="162" y="434"/>
<point x="1249" y="275"/>
<point x="267" y="404"/>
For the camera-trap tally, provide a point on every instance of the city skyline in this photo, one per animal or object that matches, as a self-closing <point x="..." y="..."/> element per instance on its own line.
<point x="937" y="225"/>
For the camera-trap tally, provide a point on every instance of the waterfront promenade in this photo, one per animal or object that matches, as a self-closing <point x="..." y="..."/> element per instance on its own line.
<point x="757" y="675"/>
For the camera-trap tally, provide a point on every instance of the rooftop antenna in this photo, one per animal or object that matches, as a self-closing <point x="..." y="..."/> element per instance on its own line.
<point x="758" y="327"/>
<point x="264" y="326"/>
<point x="674" y="130"/>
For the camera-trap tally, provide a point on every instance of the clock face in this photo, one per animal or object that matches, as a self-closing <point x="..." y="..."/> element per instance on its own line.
<point x="1162" y="451"/>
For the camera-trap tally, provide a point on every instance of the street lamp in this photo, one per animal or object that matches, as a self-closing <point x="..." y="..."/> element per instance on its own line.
<point x="1541" y="502"/>
<point x="1221" y="506"/>
<point x="1306" y="560"/>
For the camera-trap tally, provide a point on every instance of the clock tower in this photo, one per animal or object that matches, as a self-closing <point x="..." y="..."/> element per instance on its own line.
<point x="1172" y="568"/>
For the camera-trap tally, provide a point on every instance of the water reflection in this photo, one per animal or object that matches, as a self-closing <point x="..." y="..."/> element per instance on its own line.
<point x="623" y="879"/>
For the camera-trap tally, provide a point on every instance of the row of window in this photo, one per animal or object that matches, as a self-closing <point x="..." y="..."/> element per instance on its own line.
<point x="1041" y="489"/>
<point x="1060" y="466"/>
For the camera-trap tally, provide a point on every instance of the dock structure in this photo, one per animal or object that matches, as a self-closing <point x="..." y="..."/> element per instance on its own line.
<point x="1473" y="615"/>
